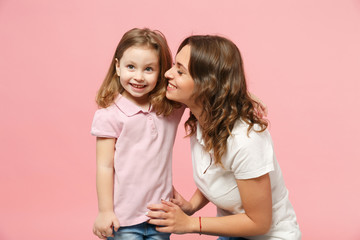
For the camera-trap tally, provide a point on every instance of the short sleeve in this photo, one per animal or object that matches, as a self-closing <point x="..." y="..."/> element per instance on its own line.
<point x="255" y="156"/>
<point x="106" y="124"/>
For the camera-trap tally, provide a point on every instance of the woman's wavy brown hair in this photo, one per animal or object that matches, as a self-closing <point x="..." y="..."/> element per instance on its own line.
<point x="220" y="89"/>
<point x="111" y="86"/>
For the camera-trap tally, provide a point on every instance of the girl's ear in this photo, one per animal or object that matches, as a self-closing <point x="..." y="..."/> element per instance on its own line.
<point x="117" y="66"/>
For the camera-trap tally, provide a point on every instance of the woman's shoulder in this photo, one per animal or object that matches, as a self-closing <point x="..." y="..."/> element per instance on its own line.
<point x="250" y="154"/>
<point x="241" y="133"/>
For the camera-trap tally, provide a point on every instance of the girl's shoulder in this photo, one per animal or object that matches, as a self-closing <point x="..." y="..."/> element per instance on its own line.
<point x="108" y="111"/>
<point x="106" y="123"/>
<point x="105" y="115"/>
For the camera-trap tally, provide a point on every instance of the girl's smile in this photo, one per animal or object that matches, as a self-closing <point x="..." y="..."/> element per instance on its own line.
<point x="138" y="70"/>
<point x="137" y="86"/>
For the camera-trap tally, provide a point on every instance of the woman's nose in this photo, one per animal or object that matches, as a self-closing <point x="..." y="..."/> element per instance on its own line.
<point x="168" y="73"/>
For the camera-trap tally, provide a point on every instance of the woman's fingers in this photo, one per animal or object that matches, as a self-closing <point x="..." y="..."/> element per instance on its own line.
<point x="163" y="229"/>
<point x="158" y="222"/>
<point x="175" y="201"/>
<point x="169" y="204"/>
<point x="165" y="206"/>
<point x="156" y="215"/>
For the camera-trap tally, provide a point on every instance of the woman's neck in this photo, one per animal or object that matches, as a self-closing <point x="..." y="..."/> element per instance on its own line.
<point x="197" y="112"/>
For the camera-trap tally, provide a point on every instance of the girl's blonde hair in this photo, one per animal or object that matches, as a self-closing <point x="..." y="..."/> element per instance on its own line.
<point x="220" y="88"/>
<point x="111" y="86"/>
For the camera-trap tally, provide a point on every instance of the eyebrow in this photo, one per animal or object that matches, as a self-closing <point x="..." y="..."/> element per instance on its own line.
<point x="146" y="64"/>
<point x="181" y="66"/>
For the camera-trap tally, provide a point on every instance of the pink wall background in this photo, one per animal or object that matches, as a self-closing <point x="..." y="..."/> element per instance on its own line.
<point x="301" y="57"/>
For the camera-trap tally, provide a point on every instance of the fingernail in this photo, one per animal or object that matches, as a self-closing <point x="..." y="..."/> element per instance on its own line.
<point x="146" y="213"/>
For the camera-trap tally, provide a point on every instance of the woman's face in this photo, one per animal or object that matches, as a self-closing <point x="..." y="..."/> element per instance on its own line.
<point x="180" y="84"/>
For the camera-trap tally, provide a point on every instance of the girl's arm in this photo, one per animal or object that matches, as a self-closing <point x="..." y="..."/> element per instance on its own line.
<point x="256" y="198"/>
<point x="197" y="201"/>
<point x="106" y="219"/>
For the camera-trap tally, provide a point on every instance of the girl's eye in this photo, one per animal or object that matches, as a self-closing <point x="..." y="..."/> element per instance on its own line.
<point x="148" y="69"/>
<point x="179" y="72"/>
<point x="130" y="67"/>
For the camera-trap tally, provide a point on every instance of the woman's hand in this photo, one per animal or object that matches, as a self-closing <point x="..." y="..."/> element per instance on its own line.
<point x="170" y="218"/>
<point x="104" y="224"/>
<point x="186" y="206"/>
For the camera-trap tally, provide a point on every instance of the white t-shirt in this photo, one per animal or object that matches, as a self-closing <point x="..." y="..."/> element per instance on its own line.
<point x="246" y="157"/>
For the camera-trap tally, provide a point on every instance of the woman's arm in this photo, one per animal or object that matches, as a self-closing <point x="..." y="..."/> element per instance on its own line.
<point x="256" y="198"/>
<point x="197" y="201"/>
<point x="106" y="219"/>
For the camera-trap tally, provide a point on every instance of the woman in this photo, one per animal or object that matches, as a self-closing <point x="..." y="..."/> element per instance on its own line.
<point x="234" y="163"/>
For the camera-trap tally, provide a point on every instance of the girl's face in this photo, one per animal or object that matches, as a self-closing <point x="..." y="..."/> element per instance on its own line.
<point x="180" y="83"/>
<point x="138" y="70"/>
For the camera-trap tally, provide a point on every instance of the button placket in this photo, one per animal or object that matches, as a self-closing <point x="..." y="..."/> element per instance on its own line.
<point x="152" y="124"/>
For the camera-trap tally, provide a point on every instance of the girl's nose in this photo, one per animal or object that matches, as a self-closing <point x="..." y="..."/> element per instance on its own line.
<point x="139" y="76"/>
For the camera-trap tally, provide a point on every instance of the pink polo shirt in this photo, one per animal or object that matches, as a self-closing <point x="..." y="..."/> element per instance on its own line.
<point x="143" y="156"/>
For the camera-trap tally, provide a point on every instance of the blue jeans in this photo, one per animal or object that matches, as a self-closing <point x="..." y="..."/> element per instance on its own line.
<point x="231" y="238"/>
<point x="139" y="232"/>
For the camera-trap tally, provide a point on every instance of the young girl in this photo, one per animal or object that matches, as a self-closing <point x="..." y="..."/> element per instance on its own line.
<point x="135" y="129"/>
<point x="234" y="164"/>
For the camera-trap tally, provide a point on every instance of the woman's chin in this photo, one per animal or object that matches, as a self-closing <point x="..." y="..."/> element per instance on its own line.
<point x="169" y="96"/>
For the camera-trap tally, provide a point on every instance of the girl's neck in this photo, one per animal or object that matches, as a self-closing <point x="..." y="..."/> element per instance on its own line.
<point x="143" y="102"/>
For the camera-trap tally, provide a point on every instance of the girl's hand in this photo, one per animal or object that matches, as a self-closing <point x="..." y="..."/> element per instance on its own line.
<point x="104" y="224"/>
<point x="182" y="203"/>
<point x="170" y="218"/>
<point x="260" y="107"/>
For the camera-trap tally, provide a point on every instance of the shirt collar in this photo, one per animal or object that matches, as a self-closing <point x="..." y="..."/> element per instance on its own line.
<point x="127" y="107"/>
<point x="199" y="134"/>
<point x="199" y="137"/>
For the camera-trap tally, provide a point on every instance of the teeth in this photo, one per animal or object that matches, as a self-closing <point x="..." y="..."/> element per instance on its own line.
<point x="137" y="85"/>
<point x="171" y="86"/>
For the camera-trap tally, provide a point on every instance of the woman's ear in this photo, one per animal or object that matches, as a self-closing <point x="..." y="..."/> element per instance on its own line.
<point x="117" y="66"/>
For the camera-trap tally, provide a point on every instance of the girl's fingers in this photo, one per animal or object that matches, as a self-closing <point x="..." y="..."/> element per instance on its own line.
<point x="108" y="232"/>
<point x="265" y="111"/>
<point x="97" y="233"/>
